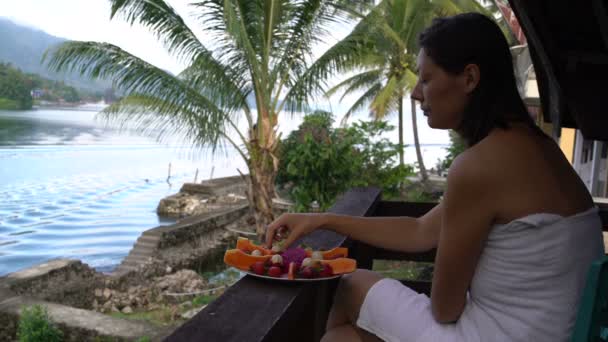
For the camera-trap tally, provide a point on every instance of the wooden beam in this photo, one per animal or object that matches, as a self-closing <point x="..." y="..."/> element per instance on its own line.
<point x="255" y="309"/>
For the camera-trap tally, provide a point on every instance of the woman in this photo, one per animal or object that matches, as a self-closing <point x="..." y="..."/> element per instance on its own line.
<point x="516" y="230"/>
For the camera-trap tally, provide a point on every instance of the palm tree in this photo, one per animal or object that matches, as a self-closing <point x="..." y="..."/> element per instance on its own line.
<point x="250" y="68"/>
<point x="386" y="41"/>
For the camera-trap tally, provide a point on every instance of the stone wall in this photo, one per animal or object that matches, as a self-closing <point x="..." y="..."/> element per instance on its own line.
<point x="69" y="282"/>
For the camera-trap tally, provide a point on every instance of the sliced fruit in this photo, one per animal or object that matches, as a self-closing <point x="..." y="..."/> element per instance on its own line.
<point x="291" y="274"/>
<point x="259" y="267"/>
<point x="327" y="271"/>
<point x="306" y="272"/>
<point x="341" y="265"/>
<point x="245" y="244"/>
<point x="338" y="252"/>
<point x="275" y="271"/>
<point x="241" y="260"/>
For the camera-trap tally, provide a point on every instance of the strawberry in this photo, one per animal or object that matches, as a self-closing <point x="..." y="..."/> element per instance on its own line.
<point x="258" y="268"/>
<point x="275" y="271"/>
<point x="326" y="271"/>
<point x="306" y="272"/>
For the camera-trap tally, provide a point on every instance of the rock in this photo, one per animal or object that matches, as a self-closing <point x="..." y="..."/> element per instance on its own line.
<point x="107" y="293"/>
<point x="127" y="310"/>
<point x="191" y="313"/>
<point x="98" y="292"/>
<point x="114" y="309"/>
<point x="168" y="270"/>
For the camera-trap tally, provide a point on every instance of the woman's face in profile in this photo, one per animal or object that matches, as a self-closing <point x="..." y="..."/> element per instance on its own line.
<point x="442" y="96"/>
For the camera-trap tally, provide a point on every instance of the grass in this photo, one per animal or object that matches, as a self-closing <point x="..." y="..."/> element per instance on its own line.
<point x="203" y="300"/>
<point x="402" y="269"/>
<point x="8" y="104"/>
<point x="163" y="316"/>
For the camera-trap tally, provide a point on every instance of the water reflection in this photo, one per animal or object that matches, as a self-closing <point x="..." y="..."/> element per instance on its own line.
<point x="71" y="187"/>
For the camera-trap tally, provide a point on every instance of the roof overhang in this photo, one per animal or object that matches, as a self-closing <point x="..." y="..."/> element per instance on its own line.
<point x="568" y="42"/>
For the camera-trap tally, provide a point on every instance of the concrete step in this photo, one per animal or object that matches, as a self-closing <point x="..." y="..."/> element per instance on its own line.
<point x="146" y="243"/>
<point x="141" y="252"/>
<point x="150" y="238"/>
<point x="137" y="258"/>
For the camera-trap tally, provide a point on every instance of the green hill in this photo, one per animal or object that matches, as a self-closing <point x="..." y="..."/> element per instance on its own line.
<point x="23" y="47"/>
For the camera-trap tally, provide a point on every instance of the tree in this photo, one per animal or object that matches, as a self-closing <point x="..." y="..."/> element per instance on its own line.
<point x="319" y="162"/>
<point x="15" y="88"/>
<point x="249" y="68"/>
<point x="386" y="50"/>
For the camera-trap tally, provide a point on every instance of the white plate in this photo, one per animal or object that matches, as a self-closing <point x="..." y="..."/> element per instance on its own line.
<point x="284" y="277"/>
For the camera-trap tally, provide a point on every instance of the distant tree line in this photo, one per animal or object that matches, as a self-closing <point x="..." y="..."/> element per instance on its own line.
<point x="19" y="90"/>
<point x="15" y="88"/>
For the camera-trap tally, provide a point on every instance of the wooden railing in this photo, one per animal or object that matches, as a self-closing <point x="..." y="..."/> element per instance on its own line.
<point x="254" y="309"/>
<point x="257" y="310"/>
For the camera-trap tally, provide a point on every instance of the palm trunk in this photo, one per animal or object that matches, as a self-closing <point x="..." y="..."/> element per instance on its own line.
<point x="263" y="169"/>
<point x="261" y="193"/>
<point x="401" y="162"/>
<point x="423" y="173"/>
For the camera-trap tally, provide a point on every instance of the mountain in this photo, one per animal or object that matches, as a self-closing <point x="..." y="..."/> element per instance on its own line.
<point x="24" y="46"/>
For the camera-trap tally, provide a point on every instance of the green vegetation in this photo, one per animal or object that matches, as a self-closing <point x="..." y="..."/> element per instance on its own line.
<point x="36" y="326"/>
<point x="457" y="146"/>
<point x="253" y="67"/>
<point x="384" y="58"/>
<point x="23" y="47"/>
<point x="319" y="162"/>
<point x="409" y="270"/>
<point x="203" y="300"/>
<point x="15" y="88"/>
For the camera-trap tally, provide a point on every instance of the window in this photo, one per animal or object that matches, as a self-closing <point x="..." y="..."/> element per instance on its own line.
<point x="587" y="154"/>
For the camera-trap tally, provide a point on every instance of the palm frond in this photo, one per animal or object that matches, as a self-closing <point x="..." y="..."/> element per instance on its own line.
<point x="382" y="102"/>
<point x="363" y="101"/>
<point x="135" y="76"/>
<point x="355" y="83"/>
<point x="161" y="19"/>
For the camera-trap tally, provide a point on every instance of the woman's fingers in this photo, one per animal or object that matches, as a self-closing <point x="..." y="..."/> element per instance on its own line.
<point x="289" y="240"/>
<point x="272" y="229"/>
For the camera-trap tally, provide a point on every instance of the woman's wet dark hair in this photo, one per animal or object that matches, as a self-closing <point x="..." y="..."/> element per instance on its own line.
<point x="472" y="38"/>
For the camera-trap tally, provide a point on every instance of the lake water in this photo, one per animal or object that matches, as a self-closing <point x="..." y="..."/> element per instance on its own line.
<point x="71" y="187"/>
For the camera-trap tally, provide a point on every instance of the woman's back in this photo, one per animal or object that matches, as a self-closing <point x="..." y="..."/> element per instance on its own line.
<point x="529" y="174"/>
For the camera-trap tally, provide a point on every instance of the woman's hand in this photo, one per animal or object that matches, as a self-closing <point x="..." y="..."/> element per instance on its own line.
<point x="296" y="226"/>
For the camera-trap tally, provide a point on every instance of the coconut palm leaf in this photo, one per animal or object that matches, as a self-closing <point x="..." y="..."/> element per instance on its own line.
<point x="135" y="76"/>
<point x="165" y="23"/>
<point x="159" y="119"/>
<point x="370" y="94"/>
<point x="355" y="83"/>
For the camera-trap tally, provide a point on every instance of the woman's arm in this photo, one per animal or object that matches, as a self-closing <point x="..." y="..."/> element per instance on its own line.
<point x="467" y="217"/>
<point x="405" y="234"/>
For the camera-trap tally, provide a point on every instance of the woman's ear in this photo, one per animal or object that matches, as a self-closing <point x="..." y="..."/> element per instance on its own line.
<point x="471" y="77"/>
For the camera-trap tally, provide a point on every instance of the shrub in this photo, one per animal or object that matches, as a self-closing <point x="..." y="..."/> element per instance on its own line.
<point x="457" y="146"/>
<point x="36" y="326"/>
<point x="319" y="162"/>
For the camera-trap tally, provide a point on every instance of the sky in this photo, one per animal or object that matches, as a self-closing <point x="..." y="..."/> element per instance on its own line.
<point x="89" y="20"/>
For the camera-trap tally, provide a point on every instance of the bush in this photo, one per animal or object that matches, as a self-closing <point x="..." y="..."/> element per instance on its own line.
<point x="36" y="326"/>
<point x="319" y="162"/>
<point x="457" y="146"/>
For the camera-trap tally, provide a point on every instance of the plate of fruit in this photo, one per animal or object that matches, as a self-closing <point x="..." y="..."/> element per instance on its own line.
<point x="293" y="264"/>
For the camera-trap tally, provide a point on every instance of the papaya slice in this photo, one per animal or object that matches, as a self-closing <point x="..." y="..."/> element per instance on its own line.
<point x="341" y="265"/>
<point x="291" y="274"/>
<point x="247" y="245"/>
<point x="241" y="260"/>
<point x="338" y="252"/>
